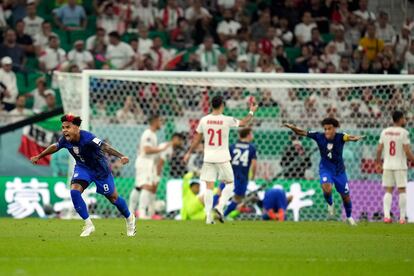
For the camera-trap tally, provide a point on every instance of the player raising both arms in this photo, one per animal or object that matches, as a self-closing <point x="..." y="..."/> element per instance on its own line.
<point x="395" y="143"/>
<point x="331" y="168"/>
<point x="215" y="128"/>
<point x="91" y="166"/>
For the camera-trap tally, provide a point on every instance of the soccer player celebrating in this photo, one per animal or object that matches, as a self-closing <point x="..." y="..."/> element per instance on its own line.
<point x="243" y="157"/>
<point x="331" y="168"/>
<point x="91" y="166"/>
<point x="215" y="128"/>
<point x="395" y="143"/>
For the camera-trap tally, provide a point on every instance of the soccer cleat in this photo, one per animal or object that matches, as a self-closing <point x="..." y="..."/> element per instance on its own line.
<point x="131" y="227"/>
<point x="219" y="215"/>
<point x="387" y="220"/>
<point x="403" y="221"/>
<point x="87" y="230"/>
<point x="209" y="219"/>
<point x="351" y="221"/>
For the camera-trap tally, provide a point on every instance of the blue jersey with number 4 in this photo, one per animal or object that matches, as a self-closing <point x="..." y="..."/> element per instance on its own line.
<point x="331" y="151"/>
<point x="242" y="154"/>
<point x="88" y="154"/>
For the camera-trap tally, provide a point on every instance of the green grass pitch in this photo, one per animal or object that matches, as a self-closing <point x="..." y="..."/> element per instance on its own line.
<point x="53" y="247"/>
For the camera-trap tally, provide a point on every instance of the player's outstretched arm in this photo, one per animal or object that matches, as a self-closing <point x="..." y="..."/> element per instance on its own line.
<point x="156" y="150"/>
<point x="253" y="167"/>
<point x="49" y="150"/>
<point x="353" y="138"/>
<point x="295" y="129"/>
<point x="197" y="139"/>
<point x="246" y="120"/>
<point x="408" y="152"/>
<point x="111" y="151"/>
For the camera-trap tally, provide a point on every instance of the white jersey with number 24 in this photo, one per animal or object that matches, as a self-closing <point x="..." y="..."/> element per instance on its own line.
<point x="393" y="139"/>
<point x="215" y="130"/>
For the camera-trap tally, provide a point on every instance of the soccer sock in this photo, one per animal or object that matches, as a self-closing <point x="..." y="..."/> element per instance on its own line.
<point x="133" y="200"/>
<point x="387" y="205"/>
<point x="328" y="198"/>
<point x="208" y="202"/>
<point x="151" y="205"/>
<point x="79" y="204"/>
<point x="226" y="194"/>
<point x="216" y="198"/>
<point x="348" y="208"/>
<point x="403" y="205"/>
<point x="144" y="200"/>
<point x="120" y="203"/>
<point x="232" y="206"/>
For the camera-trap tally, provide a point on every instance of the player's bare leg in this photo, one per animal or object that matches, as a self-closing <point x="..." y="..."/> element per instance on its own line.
<point x="134" y="199"/>
<point x="226" y="194"/>
<point x="120" y="203"/>
<point x="402" y="202"/>
<point x="346" y="199"/>
<point x="387" y="201"/>
<point x="327" y="193"/>
<point x="208" y="202"/>
<point x="79" y="204"/>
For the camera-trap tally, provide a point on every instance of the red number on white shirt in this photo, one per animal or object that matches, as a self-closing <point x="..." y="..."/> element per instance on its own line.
<point x="212" y="133"/>
<point x="392" y="148"/>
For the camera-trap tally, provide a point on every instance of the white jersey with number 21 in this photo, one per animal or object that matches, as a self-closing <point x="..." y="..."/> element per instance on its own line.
<point x="393" y="139"/>
<point x="215" y="130"/>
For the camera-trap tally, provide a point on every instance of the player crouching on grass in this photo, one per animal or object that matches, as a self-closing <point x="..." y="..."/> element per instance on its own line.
<point x="274" y="204"/>
<point x="91" y="166"/>
<point x="331" y="168"/>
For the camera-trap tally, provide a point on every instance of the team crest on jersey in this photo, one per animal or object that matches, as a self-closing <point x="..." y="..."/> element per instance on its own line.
<point x="76" y="150"/>
<point x="330" y="146"/>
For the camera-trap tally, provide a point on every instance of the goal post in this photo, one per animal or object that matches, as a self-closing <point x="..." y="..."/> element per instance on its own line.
<point x="115" y="105"/>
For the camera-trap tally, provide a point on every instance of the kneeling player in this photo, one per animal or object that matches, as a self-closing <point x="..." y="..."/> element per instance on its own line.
<point x="331" y="168"/>
<point x="91" y="166"/>
<point x="275" y="204"/>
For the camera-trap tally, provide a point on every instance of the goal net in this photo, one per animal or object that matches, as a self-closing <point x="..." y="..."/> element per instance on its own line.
<point x="115" y="105"/>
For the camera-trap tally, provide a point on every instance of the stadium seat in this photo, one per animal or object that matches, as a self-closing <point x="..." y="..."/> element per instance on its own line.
<point x="327" y="37"/>
<point x="292" y="53"/>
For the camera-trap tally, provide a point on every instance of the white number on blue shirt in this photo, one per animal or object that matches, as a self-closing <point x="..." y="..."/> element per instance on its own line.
<point x="240" y="157"/>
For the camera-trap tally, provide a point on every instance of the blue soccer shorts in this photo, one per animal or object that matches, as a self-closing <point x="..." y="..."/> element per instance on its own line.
<point x="104" y="186"/>
<point x="240" y="186"/>
<point x="339" y="180"/>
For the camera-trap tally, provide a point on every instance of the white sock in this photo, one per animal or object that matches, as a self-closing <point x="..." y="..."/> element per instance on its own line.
<point x="88" y="221"/>
<point x="226" y="194"/>
<point x="403" y="205"/>
<point x="151" y="205"/>
<point x="208" y="202"/>
<point x="144" y="200"/>
<point x="133" y="200"/>
<point x="387" y="204"/>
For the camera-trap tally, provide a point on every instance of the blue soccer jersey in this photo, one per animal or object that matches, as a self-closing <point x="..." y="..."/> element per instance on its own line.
<point x="275" y="199"/>
<point x="242" y="154"/>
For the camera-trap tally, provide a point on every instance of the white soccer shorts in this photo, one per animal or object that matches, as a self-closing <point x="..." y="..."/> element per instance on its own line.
<point x="391" y="178"/>
<point x="211" y="172"/>
<point x="145" y="174"/>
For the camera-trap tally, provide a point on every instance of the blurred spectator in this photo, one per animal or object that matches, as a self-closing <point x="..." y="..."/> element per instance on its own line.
<point x="174" y="155"/>
<point x="259" y="28"/>
<point x="313" y="65"/>
<point x="388" y="66"/>
<point x="294" y="159"/>
<point x="130" y="113"/>
<point x="267" y="99"/>
<point x="242" y="64"/>
<point x="109" y="21"/>
<point x="370" y="44"/>
<point x="409" y="59"/>
<point x="81" y="57"/>
<point x="145" y="14"/>
<point x="53" y="56"/>
<point x="292" y="107"/>
<point x="208" y="53"/>
<point x="331" y="54"/>
<point x="385" y="31"/>
<point x="353" y="31"/>
<point x="196" y="11"/>
<point x="364" y="13"/>
<point x="290" y="11"/>
<point x="345" y="66"/>
<point x="160" y="55"/>
<point x="9" y="84"/>
<point x="252" y="55"/>
<point x="3" y="23"/>
<point x="342" y="47"/>
<point x="301" y="62"/>
<point x="41" y="39"/>
<point x="316" y="42"/>
<point x="97" y="43"/>
<point x="70" y="17"/>
<point x="227" y="29"/>
<point x="401" y="42"/>
<point x="50" y="102"/>
<point x="9" y="48"/>
<point x="284" y="32"/>
<point x="311" y="111"/>
<point x="237" y="99"/>
<point x="39" y="95"/>
<point x="265" y="65"/>
<point x="33" y="23"/>
<point x="181" y="37"/>
<point x="225" y="4"/>
<point x="341" y="14"/>
<point x="203" y="28"/>
<point x="303" y="30"/>
<point x="20" y="112"/>
<point x="365" y="66"/>
<point x="330" y="68"/>
<point x="192" y="64"/>
<point x="281" y="58"/>
<point x="24" y="40"/>
<point x="232" y="51"/>
<point x="221" y="66"/>
<point x="169" y="15"/>
<point x="320" y="13"/>
<point x="144" y="42"/>
<point x="119" y="54"/>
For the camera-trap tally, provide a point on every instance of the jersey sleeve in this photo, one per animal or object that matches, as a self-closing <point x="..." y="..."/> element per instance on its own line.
<point x="253" y="153"/>
<point x="406" y="138"/>
<point x="146" y="139"/>
<point x="61" y="143"/>
<point x="381" y="139"/>
<point x="313" y="135"/>
<point x="233" y="122"/>
<point x="93" y="140"/>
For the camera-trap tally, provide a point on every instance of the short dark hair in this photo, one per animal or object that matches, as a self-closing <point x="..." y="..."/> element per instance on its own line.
<point x="397" y="115"/>
<point x="194" y="183"/>
<point x="115" y="34"/>
<point x="217" y="101"/>
<point x="330" y="121"/>
<point x="178" y="135"/>
<point x="153" y="117"/>
<point x="76" y="120"/>
<point x="243" y="133"/>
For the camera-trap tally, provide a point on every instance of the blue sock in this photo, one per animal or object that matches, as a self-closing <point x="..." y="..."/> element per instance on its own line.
<point x="348" y="208"/>
<point x="328" y="198"/>
<point x="232" y="206"/>
<point x="79" y="204"/>
<point x="215" y="200"/>
<point x="122" y="207"/>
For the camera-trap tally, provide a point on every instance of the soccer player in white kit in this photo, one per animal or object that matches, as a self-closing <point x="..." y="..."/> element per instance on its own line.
<point x="395" y="143"/>
<point x="146" y="178"/>
<point x="215" y="128"/>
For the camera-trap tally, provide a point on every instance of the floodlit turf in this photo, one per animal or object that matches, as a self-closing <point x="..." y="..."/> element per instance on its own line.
<point x="53" y="247"/>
